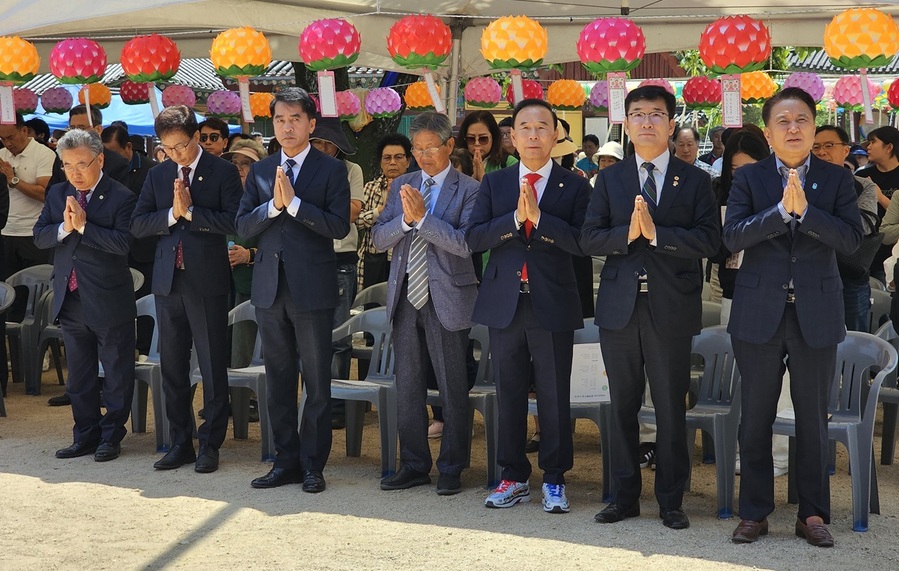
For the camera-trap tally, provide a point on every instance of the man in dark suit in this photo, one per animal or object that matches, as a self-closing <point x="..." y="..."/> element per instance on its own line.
<point x="189" y="203"/>
<point x="297" y="202"/>
<point x="788" y="214"/>
<point x="430" y="296"/>
<point x="654" y="218"/>
<point x="529" y="216"/>
<point x="115" y="166"/>
<point x="87" y="221"/>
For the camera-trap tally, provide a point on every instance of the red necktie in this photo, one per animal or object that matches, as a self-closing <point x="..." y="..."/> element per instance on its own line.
<point x="179" y="252"/>
<point x="532" y="179"/>
<point x="82" y="201"/>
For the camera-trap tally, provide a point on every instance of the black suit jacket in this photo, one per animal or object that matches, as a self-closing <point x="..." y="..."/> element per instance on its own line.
<point x="687" y="230"/>
<point x="143" y="249"/>
<point x="215" y="193"/>
<point x="114" y="165"/>
<point x="99" y="257"/>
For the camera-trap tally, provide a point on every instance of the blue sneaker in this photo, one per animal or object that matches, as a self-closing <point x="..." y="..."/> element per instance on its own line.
<point x="554" y="499"/>
<point x="507" y="494"/>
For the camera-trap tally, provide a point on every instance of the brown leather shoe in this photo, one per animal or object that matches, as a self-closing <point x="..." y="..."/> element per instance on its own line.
<point x="814" y="533"/>
<point x="749" y="531"/>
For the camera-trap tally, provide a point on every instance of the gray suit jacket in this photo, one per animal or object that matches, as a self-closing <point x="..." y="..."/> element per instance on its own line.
<point x="452" y="282"/>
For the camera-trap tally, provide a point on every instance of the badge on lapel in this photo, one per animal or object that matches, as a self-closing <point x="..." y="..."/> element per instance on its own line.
<point x="814" y="186"/>
<point x="676" y="181"/>
<point x="200" y="179"/>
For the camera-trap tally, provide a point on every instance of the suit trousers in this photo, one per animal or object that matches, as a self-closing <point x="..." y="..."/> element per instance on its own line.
<point x="631" y="355"/>
<point x="811" y="375"/>
<point x="85" y="348"/>
<point x="188" y="318"/>
<point x="287" y="335"/>
<point x="419" y="337"/>
<point x="515" y="349"/>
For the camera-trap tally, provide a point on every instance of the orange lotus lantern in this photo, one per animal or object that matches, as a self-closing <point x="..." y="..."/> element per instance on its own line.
<point x="260" y="104"/>
<point x="756" y="87"/>
<point x="861" y="38"/>
<point x="514" y="42"/>
<point x="566" y="95"/>
<point x="99" y="95"/>
<point x="241" y="53"/>
<point x="417" y="97"/>
<point x="19" y="61"/>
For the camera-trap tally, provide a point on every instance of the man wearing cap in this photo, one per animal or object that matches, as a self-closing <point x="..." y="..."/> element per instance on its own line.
<point x="861" y="156"/>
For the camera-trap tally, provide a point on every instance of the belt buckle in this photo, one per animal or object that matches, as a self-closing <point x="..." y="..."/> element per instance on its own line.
<point x="791" y="297"/>
<point x="524" y="287"/>
<point x="642" y="287"/>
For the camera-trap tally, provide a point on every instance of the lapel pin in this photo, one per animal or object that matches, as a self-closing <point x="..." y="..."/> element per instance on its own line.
<point x="200" y="179"/>
<point x="561" y="185"/>
<point x="101" y="197"/>
<point x="814" y="186"/>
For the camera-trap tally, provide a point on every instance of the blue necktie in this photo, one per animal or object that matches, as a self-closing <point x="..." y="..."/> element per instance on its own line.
<point x="288" y="169"/>
<point x="649" y="191"/>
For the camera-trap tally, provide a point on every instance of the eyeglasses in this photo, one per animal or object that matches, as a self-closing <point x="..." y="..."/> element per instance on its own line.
<point x="393" y="158"/>
<point x="80" y="167"/>
<point x="427" y="153"/>
<point x="828" y="146"/>
<point x="176" y="149"/>
<point x="214" y="137"/>
<point x="655" y="117"/>
<point x="242" y="164"/>
<point x="482" y="140"/>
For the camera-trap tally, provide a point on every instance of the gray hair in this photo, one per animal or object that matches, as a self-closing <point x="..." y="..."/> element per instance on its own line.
<point x="434" y="122"/>
<point x="80" y="138"/>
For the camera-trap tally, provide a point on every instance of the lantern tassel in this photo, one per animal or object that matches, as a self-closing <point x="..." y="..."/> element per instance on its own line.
<point x="433" y="92"/>
<point x="7" y="105"/>
<point x="517" y="86"/>
<point x="87" y="104"/>
<point x="327" y="93"/>
<point x="866" y="97"/>
<point x="851" y="114"/>
<point x="243" y="85"/>
<point x="154" y="103"/>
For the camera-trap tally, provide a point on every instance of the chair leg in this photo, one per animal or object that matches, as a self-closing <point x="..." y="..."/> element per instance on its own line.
<point x="726" y="459"/>
<point x="860" y="479"/>
<point x="240" y="411"/>
<point x="888" y="442"/>
<point x="355" y="419"/>
<point x="875" y="494"/>
<point x="265" y="426"/>
<point x="792" y="490"/>
<point x="708" y="448"/>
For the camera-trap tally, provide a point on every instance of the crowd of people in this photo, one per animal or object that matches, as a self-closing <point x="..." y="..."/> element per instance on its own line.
<point x="497" y="225"/>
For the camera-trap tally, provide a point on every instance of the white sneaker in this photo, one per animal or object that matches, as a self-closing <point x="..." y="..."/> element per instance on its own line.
<point x="554" y="499"/>
<point x="507" y="494"/>
<point x="143" y="358"/>
<point x="46" y="364"/>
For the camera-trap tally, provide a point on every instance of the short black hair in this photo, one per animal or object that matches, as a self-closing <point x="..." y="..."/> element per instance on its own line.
<point x="785" y="95"/>
<point x="96" y="116"/>
<point x="651" y="93"/>
<point x="40" y="128"/>
<point x="294" y="96"/>
<point x="887" y="135"/>
<point x="841" y="133"/>
<point x="216" y="124"/>
<point x="121" y="123"/>
<point x="506" y="122"/>
<point x="592" y="138"/>
<point x="116" y="133"/>
<point x="177" y="118"/>
<point x="397" y="139"/>
<point x="535" y="103"/>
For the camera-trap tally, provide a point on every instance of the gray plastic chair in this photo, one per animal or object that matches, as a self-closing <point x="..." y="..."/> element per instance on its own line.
<point x="22" y="335"/>
<point x="889" y="396"/>
<point x="876" y="284"/>
<point x="7" y="297"/>
<point x="880" y="309"/>
<point x="711" y="313"/>
<point x="852" y="409"/>
<point x="375" y="295"/>
<point x="148" y="376"/>
<point x="49" y="336"/>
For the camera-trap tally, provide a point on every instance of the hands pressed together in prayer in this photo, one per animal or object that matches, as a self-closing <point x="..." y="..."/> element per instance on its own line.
<point x="641" y="221"/>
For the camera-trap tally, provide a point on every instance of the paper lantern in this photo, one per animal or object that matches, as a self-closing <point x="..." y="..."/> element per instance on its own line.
<point x="100" y="96"/>
<point x="223" y="103"/>
<point x="809" y="82"/>
<point x="178" y="95"/>
<point x="260" y="104"/>
<point x="318" y="105"/>
<point x="19" y="61"/>
<point x="847" y="92"/>
<point x="56" y="100"/>
<point x="599" y="95"/>
<point x="702" y="93"/>
<point x="150" y="58"/>
<point x="419" y="41"/>
<point x="566" y="95"/>
<point x="658" y="82"/>
<point x="348" y="105"/>
<point x="893" y="95"/>
<point x="329" y="44"/>
<point x="514" y="42"/>
<point x="756" y="87"/>
<point x="483" y="92"/>
<point x="78" y="61"/>
<point x="25" y="100"/>
<point x="240" y="52"/>
<point x="735" y="44"/>
<point x="418" y="98"/>
<point x="861" y="38"/>
<point x="611" y="45"/>
<point x="134" y="93"/>
<point x="383" y="102"/>
<point x="532" y="90"/>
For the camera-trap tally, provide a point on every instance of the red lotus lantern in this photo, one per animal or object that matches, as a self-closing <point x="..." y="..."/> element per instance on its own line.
<point x="611" y="45"/>
<point x="702" y="93"/>
<point x="847" y="92"/>
<point x="893" y="94"/>
<point x="150" y="58"/>
<point x="419" y="41"/>
<point x="179" y="95"/>
<point x="78" y="61"/>
<point x="99" y="94"/>
<point x="532" y="90"/>
<point x="56" y="100"/>
<point x="735" y="44"/>
<point x="134" y="93"/>
<point x="483" y="92"/>
<point x="329" y="44"/>
<point x="25" y="100"/>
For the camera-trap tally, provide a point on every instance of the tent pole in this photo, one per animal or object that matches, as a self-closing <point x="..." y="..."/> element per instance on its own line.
<point x="452" y="91"/>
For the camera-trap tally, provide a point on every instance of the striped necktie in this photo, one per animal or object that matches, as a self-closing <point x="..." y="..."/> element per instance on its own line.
<point x="417" y="268"/>
<point x="288" y="170"/>
<point x="649" y="191"/>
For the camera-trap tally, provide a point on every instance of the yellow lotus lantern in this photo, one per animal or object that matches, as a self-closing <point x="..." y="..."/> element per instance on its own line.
<point x="99" y="94"/>
<point x="514" y="42"/>
<point x="241" y="53"/>
<point x="861" y="38"/>
<point x="19" y="61"/>
<point x="566" y="95"/>
<point x="260" y="104"/>
<point x="756" y="87"/>
<point x="418" y="98"/>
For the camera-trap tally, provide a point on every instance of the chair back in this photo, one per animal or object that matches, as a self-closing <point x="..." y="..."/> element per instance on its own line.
<point x="720" y="382"/>
<point x="711" y="313"/>
<point x="858" y="357"/>
<point x="7" y="296"/>
<point x="43" y="313"/>
<point x="137" y="278"/>
<point x="246" y="311"/>
<point x="37" y="279"/>
<point x="146" y="307"/>
<point x="876" y="284"/>
<point x="374" y="322"/>
<point x="376" y="294"/>
<point x="481" y="336"/>
<point x="880" y="309"/>
<point x="888" y="333"/>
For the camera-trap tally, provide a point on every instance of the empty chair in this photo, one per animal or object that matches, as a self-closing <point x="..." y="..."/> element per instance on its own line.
<point x="876" y="284"/>
<point x="711" y="313"/>
<point x="372" y="295"/>
<point x="7" y="297"/>
<point x="23" y="335"/>
<point x="148" y="375"/>
<point x="889" y="396"/>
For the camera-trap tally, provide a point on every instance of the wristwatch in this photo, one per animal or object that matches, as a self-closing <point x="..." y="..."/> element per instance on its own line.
<point x="189" y="215"/>
<point x="14" y="181"/>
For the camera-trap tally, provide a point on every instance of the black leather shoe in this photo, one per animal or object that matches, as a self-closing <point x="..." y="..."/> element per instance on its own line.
<point x="107" y="451"/>
<point x="277" y="477"/>
<point x="207" y="459"/>
<point x="178" y="456"/>
<point x="313" y="482"/>
<point x="61" y="400"/>
<point x="674" y="518"/>
<point x="614" y="513"/>
<point x="448" y="485"/>
<point x="404" y="479"/>
<point x="77" y="449"/>
<point x="338" y="422"/>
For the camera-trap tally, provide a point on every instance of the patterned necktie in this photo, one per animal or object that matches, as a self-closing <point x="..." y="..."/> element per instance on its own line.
<point x="288" y="169"/>
<point x="649" y="191"/>
<point x="417" y="268"/>
<point x="532" y="179"/>
<point x="179" y="252"/>
<point x="82" y="201"/>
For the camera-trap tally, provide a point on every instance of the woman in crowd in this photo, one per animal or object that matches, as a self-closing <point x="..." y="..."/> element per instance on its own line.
<point x="480" y="134"/>
<point x="883" y="169"/>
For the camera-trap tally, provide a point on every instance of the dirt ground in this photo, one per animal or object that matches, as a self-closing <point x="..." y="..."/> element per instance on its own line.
<point x="79" y="514"/>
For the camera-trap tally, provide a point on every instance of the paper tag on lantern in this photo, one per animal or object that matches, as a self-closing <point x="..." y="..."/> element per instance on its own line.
<point x="154" y="103"/>
<point x="731" y="104"/>
<point x="435" y="95"/>
<point x="617" y="94"/>
<point x="87" y="104"/>
<point x="7" y="106"/>
<point x="243" y="85"/>
<point x="517" y="87"/>
<point x="327" y="93"/>
<point x="866" y="97"/>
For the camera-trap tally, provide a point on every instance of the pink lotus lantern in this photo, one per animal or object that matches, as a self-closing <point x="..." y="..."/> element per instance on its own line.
<point x="178" y="95"/>
<point x="348" y="105"/>
<point x="329" y="44"/>
<point x="483" y="92"/>
<point x="702" y="93"/>
<point x="383" y="102"/>
<point x="847" y="92"/>
<point x="134" y="93"/>
<point x="223" y="103"/>
<point x="25" y="100"/>
<point x="809" y="82"/>
<point x="599" y="95"/>
<point x="532" y="90"/>
<point x="56" y="100"/>
<point x="611" y="45"/>
<point x="78" y="61"/>
<point x="663" y="83"/>
<point x="893" y="94"/>
<point x="318" y="105"/>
